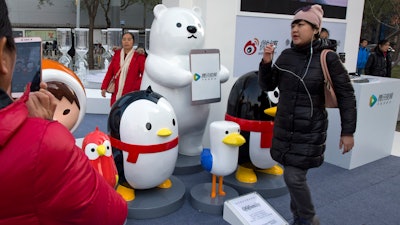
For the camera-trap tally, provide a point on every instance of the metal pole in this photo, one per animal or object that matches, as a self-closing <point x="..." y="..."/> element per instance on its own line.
<point x="115" y="13"/>
<point x="78" y="13"/>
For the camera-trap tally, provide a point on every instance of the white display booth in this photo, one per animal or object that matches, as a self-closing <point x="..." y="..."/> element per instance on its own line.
<point x="377" y="110"/>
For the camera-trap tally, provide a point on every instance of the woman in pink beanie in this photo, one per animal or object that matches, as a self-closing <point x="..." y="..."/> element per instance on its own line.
<point x="301" y="120"/>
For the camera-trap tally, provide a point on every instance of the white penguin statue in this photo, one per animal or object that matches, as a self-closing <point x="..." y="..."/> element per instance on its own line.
<point x="222" y="158"/>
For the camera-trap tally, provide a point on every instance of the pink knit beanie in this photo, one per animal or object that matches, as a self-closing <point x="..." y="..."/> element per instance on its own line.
<point x="312" y="14"/>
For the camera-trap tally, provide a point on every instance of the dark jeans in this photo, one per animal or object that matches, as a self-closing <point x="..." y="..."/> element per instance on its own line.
<point x="300" y="197"/>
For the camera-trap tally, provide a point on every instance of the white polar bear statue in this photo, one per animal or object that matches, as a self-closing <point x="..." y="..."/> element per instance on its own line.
<point x="174" y="32"/>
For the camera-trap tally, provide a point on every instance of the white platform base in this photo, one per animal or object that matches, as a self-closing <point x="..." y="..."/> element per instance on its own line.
<point x="97" y="104"/>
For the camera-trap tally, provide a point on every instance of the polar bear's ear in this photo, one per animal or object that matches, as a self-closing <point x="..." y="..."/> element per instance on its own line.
<point x="197" y="10"/>
<point x="159" y="10"/>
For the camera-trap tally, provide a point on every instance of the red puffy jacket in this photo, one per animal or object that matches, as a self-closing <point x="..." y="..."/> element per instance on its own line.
<point x="133" y="78"/>
<point x="45" y="178"/>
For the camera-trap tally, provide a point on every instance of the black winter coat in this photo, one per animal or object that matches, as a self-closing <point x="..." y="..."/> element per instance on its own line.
<point x="301" y="120"/>
<point x="378" y="64"/>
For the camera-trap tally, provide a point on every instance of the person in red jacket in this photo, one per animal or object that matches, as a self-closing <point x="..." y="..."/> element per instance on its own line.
<point x="45" y="179"/>
<point x="127" y="67"/>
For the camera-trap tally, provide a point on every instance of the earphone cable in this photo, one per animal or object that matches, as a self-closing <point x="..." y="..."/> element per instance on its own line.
<point x="301" y="79"/>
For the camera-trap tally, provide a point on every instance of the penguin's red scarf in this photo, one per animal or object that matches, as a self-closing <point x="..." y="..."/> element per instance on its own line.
<point x="134" y="150"/>
<point x="265" y="127"/>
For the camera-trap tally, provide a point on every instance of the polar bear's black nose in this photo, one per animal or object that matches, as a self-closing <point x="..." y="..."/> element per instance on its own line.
<point x="192" y="29"/>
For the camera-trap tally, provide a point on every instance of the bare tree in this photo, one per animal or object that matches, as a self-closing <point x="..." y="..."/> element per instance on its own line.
<point x="91" y="7"/>
<point x="148" y="5"/>
<point x="377" y="14"/>
<point x="105" y="5"/>
<point x="381" y="20"/>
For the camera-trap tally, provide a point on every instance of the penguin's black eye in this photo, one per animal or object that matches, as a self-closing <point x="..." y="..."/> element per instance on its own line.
<point x="92" y="150"/>
<point x="148" y="126"/>
<point x="173" y="122"/>
<point x="178" y="25"/>
<point x="226" y="132"/>
<point x="273" y="95"/>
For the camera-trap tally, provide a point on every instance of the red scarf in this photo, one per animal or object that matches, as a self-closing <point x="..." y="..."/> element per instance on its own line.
<point x="135" y="150"/>
<point x="265" y="127"/>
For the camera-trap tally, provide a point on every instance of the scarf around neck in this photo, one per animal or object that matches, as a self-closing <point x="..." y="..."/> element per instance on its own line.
<point x="124" y="65"/>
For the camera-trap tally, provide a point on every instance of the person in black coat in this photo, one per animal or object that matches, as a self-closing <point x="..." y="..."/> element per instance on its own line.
<point x="379" y="62"/>
<point x="301" y="122"/>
